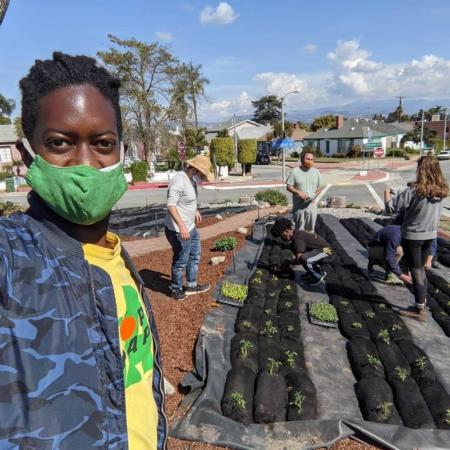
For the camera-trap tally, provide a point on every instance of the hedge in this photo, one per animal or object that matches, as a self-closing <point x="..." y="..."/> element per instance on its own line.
<point x="247" y="153"/>
<point x="222" y="150"/>
<point x="272" y="197"/>
<point x="139" y="171"/>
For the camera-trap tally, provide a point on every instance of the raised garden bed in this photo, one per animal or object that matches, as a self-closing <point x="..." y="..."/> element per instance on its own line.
<point x="395" y="376"/>
<point x="268" y="381"/>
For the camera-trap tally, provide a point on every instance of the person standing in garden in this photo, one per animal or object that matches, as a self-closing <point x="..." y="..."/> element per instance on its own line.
<point x="182" y="216"/>
<point x="80" y="356"/>
<point x="305" y="183"/>
<point x="419" y="216"/>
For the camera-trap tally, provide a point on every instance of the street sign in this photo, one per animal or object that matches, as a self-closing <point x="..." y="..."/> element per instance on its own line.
<point x="181" y="150"/>
<point x="378" y="152"/>
<point x="371" y="145"/>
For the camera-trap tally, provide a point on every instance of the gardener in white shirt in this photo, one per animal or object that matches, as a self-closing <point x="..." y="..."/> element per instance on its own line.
<point x="182" y="215"/>
<point x="305" y="183"/>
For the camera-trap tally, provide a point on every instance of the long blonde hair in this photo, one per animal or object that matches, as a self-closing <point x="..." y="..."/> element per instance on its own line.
<point x="430" y="181"/>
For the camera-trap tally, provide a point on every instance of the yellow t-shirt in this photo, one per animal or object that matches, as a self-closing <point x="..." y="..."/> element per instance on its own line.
<point x="136" y="344"/>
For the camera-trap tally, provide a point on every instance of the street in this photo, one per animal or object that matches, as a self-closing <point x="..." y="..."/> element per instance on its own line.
<point x="356" y="194"/>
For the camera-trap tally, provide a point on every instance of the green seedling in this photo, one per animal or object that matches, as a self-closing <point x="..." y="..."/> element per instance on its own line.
<point x="244" y="347"/>
<point x="290" y="358"/>
<point x="290" y="328"/>
<point x="274" y="278"/>
<point x="325" y="312"/>
<point x="384" y="336"/>
<point x="238" y="400"/>
<point x="421" y="362"/>
<point x="258" y="272"/>
<point x="401" y="373"/>
<point x="382" y="306"/>
<point x="288" y="304"/>
<point x="270" y="329"/>
<point x="343" y="302"/>
<point x="386" y="409"/>
<point x="357" y="325"/>
<point x="234" y="291"/>
<point x="287" y="288"/>
<point x="396" y="327"/>
<point x="246" y="324"/>
<point x="272" y="294"/>
<point x="299" y="398"/>
<point x="268" y="311"/>
<point x="370" y="315"/>
<point x="257" y="280"/>
<point x="273" y="366"/>
<point x="448" y="303"/>
<point x="373" y="361"/>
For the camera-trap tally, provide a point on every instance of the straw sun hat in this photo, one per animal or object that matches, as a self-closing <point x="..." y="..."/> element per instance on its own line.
<point x="203" y="165"/>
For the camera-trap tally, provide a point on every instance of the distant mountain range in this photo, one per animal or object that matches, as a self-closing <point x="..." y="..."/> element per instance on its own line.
<point x="353" y="109"/>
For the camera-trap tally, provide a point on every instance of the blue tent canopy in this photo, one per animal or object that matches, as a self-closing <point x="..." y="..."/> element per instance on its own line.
<point x="285" y="143"/>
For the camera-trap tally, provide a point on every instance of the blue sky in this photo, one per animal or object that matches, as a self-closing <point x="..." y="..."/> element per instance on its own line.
<point x="333" y="52"/>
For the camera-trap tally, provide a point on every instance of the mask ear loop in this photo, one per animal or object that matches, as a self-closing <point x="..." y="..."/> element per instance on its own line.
<point x="28" y="148"/>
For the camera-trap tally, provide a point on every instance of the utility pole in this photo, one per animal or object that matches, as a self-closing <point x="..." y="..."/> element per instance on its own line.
<point x="445" y="126"/>
<point x="421" y="136"/>
<point x="283" y="170"/>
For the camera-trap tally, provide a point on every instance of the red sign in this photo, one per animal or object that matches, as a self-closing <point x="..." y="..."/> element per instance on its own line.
<point x="378" y="152"/>
<point x="181" y="150"/>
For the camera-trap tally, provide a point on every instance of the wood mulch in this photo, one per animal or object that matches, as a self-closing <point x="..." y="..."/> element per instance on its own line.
<point x="179" y="323"/>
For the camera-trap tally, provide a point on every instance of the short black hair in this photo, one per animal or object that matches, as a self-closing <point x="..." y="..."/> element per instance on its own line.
<point x="64" y="70"/>
<point x="281" y="225"/>
<point x="304" y="153"/>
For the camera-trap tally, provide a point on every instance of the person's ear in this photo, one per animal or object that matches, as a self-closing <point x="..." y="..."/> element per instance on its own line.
<point x="26" y="157"/>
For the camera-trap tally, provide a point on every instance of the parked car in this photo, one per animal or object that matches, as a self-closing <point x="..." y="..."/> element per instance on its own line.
<point x="263" y="158"/>
<point x="444" y="155"/>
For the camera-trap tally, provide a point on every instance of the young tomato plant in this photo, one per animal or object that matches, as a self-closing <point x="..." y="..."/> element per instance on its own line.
<point x="421" y="362"/>
<point x="270" y="329"/>
<point x="224" y="244"/>
<point x="291" y="358"/>
<point x="273" y="366"/>
<point x="244" y="347"/>
<point x="384" y="336"/>
<point x="401" y="373"/>
<point x="298" y="400"/>
<point x="373" y="361"/>
<point x="386" y="409"/>
<point x="357" y="325"/>
<point x="238" y="400"/>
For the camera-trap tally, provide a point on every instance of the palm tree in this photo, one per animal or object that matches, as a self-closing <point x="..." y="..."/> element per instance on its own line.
<point x="195" y="86"/>
<point x="3" y="8"/>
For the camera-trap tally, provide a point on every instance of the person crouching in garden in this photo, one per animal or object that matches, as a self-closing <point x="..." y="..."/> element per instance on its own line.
<point x="309" y="249"/>
<point x="182" y="216"/>
<point x="385" y="250"/>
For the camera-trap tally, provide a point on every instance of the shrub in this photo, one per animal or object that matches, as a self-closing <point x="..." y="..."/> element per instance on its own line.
<point x="8" y="208"/>
<point x="325" y="312"/>
<point x="224" y="244"/>
<point x="247" y="153"/>
<point x="394" y="152"/>
<point x="222" y="151"/>
<point x="355" y="151"/>
<point x="234" y="291"/>
<point x="294" y="155"/>
<point x="139" y="171"/>
<point x="272" y="197"/>
<point x="4" y="175"/>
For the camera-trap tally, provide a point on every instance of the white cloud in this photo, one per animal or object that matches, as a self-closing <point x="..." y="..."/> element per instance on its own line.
<point x="352" y="75"/>
<point x="310" y="48"/>
<point x="164" y="36"/>
<point x="224" y="109"/>
<point x="223" y="14"/>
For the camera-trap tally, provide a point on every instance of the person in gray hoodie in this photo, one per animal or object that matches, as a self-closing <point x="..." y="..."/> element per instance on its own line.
<point x="419" y="216"/>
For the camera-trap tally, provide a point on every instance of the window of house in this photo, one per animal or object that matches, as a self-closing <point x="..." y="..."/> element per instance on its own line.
<point x="344" y="145"/>
<point x="5" y="155"/>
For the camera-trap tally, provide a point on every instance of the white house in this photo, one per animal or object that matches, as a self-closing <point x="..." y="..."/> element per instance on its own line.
<point x="368" y="134"/>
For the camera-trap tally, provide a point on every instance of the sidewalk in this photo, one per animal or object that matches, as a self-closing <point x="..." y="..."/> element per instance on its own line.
<point x="142" y="246"/>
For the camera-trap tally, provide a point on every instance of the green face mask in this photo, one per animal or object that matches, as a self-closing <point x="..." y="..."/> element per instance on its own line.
<point x="80" y="194"/>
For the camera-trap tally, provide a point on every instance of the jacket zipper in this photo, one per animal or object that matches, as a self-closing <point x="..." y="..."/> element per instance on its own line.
<point x="163" y="396"/>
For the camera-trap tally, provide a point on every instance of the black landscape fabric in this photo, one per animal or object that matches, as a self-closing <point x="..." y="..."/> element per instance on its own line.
<point x="335" y="401"/>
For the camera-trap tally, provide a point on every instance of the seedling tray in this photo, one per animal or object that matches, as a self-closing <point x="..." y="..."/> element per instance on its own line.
<point x="314" y="321"/>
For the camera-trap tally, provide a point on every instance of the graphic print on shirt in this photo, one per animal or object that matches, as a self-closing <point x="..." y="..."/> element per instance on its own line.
<point x="137" y="356"/>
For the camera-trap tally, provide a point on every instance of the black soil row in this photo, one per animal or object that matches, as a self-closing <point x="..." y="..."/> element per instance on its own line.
<point x="268" y="381"/>
<point x="438" y="299"/>
<point x="396" y="380"/>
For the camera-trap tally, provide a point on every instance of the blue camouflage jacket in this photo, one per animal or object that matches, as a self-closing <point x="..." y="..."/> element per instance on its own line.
<point x="61" y="373"/>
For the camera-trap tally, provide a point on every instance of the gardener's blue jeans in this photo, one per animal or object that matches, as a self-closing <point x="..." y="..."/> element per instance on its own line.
<point x="186" y="256"/>
<point x="434" y="248"/>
